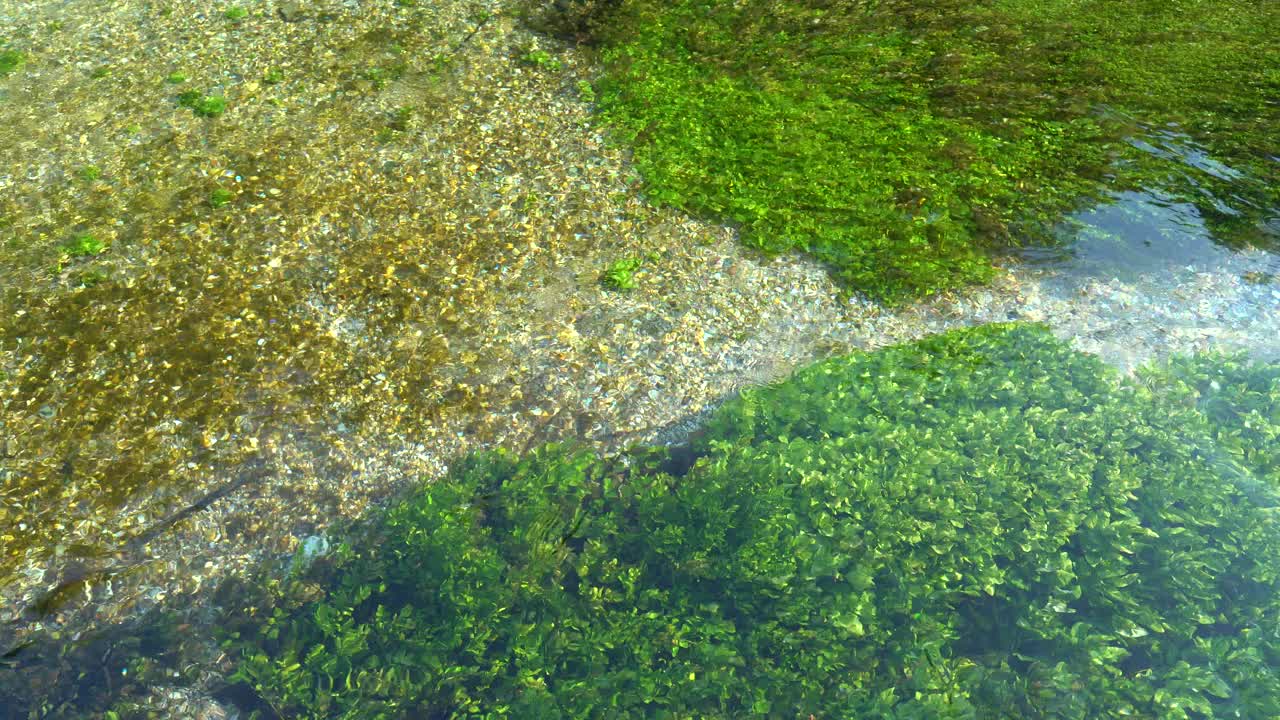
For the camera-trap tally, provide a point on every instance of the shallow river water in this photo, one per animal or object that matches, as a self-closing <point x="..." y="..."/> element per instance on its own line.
<point x="228" y="328"/>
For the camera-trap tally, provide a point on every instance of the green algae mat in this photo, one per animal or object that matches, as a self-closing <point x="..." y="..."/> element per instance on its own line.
<point x="982" y="524"/>
<point x="903" y="143"/>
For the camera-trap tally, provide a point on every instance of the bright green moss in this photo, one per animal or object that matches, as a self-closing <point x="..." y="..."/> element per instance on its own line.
<point x="176" y="78"/>
<point x="982" y="524"/>
<point x="235" y="13"/>
<point x="900" y="142"/>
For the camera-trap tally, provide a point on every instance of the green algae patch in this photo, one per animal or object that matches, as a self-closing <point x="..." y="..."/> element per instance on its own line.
<point x="981" y="524"/>
<point x="10" y="60"/>
<point x="903" y="143"/>
<point x="83" y="246"/>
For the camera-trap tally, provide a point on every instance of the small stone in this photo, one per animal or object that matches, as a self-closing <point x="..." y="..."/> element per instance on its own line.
<point x="311" y="548"/>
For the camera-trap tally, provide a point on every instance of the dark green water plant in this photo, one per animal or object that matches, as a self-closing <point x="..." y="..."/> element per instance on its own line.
<point x="903" y="142"/>
<point x="983" y="524"/>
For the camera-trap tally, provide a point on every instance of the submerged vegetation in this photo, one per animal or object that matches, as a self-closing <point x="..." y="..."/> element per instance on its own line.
<point x="201" y="104"/>
<point x="981" y="524"/>
<point x="621" y="274"/>
<point x="10" y="60"/>
<point x="220" y="196"/>
<point x="83" y="246"/>
<point x="902" y="142"/>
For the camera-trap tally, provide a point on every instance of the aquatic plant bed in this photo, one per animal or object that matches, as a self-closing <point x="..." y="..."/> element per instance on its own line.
<point x="901" y="142"/>
<point x="981" y="524"/>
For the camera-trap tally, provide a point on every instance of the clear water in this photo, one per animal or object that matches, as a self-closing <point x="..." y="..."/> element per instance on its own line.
<point x="1157" y="228"/>
<point x="86" y="468"/>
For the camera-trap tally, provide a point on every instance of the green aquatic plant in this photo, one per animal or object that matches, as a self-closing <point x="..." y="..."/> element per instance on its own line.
<point x="210" y="106"/>
<point x="100" y="72"/>
<point x="980" y="524"/>
<point x="85" y="245"/>
<point x="621" y="274"/>
<point x="541" y="59"/>
<point x="201" y="104"/>
<point x="11" y="60"/>
<point x="903" y="143"/>
<point x="220" y="196"/>
<point x="176" y="78"/>
<point x="274" y="76"/>
<point x="378" y="77"/>
<point x="235" y="13"/>
<point x="89" y="173"/>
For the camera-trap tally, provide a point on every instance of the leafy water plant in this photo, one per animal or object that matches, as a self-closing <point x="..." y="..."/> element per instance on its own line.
<point x="201" y="104"/>
<point x="981" y="524"/>
<point x="541" y="59"/>
<point x="235" y="13"/>
<point x="210" y="106"/>
<point x="84" y="245"/>
<point x="11" y="60"/>
<point x="176" y="78"/>
<point x="902" y="143"/>
<point x="220" y="196"/>
<point x="621" y="274"/>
